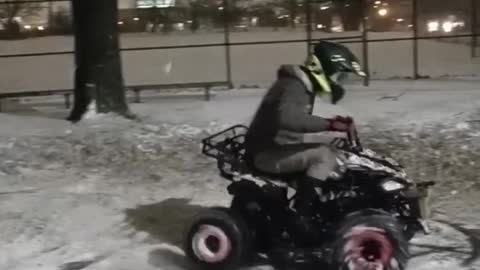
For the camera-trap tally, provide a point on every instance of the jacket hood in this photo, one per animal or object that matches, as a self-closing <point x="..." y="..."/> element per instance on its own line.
<point x="294" y="71"/>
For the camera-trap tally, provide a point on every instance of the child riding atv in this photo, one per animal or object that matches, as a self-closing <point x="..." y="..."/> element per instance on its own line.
<point x="275" y="139"/>
<point x="365" y="222"/>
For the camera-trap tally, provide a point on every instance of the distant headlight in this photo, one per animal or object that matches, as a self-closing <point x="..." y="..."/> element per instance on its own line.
<point x="433" y="26"/>
<point x="447" y="27"/>
<point x="391" y="185"/>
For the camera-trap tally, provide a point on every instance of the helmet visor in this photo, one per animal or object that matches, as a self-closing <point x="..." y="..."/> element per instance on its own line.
<point x="316" y="70"/>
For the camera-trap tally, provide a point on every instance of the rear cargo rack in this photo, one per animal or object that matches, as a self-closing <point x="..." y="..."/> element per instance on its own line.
<point x="228" y="148"/>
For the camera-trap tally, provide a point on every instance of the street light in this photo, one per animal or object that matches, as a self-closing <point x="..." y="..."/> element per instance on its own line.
<point x="383" y="12"/>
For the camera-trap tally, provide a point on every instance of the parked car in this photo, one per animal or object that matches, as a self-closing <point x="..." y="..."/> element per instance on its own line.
<point x="242" y="25"/>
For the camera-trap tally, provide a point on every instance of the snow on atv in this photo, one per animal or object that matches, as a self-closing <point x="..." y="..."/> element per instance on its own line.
<point x="364" y="222"/>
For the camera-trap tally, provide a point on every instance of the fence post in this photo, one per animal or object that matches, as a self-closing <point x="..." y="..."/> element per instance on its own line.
<point x="308" y="18"/>
<point x="474" y="19"/>
<point x="415" y="39"/>
<point x="67" y="100"/>
<point x="136" y="91"/>
<point x="366" y="62"/>
<point x="228" y="56"/>
<point x="207" y="93"/>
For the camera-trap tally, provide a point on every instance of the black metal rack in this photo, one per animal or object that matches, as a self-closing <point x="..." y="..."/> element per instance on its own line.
<point x="228" y="148"/>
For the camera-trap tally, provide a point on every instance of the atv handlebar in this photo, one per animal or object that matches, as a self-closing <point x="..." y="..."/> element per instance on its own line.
<point x="352" y="140"/>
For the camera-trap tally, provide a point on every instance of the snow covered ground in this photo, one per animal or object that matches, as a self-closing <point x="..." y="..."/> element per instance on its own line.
<point x="251" y="65"/>
<point x="112" y="194"/>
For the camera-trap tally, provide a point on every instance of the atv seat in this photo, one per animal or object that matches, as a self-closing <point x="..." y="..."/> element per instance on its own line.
<point x="283" y="180"/>
<point x="284" y="177"/>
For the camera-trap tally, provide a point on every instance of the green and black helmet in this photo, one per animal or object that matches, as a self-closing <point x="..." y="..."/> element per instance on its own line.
<point x="328" y="63"/>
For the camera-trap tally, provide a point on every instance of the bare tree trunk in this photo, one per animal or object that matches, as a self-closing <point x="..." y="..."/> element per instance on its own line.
<point x="351" y="16"/>
<point x="293" y="12"/>
<point x="98" y="73"/>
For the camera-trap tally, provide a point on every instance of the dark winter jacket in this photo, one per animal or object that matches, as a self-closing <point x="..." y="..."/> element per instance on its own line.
<point x="285" y="113"/>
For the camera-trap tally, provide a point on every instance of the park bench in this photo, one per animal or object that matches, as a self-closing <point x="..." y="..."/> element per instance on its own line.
<point x="136" y="89"/>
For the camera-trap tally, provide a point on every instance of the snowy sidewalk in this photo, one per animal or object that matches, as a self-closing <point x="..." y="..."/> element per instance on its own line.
<point x="396" y="103"/>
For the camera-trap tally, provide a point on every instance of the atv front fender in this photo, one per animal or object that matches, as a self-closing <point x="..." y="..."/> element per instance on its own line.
<point x="245" y="188"/>
<point x="367" y="212"/>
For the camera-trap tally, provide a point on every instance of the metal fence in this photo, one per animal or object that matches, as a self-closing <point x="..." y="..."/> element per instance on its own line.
<point x="249" y="58"/>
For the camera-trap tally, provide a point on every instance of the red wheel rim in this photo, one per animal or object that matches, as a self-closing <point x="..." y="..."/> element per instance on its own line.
<point x="211" y="244"/>
<point x="368" y="248"/>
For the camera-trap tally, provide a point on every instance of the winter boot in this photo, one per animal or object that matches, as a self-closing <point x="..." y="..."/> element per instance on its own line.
<point x="304" y="205"/>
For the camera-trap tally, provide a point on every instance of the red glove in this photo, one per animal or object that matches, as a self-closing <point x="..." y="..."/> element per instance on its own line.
<point x="346" y="120"/>
<point x="340" y="123"/>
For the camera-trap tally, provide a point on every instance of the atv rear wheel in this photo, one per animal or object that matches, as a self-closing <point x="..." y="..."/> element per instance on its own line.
<point x="218" y="240"/>
<point x="370" y="240"/>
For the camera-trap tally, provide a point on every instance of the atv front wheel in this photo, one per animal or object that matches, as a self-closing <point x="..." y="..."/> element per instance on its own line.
<point x="218" y="241"/>
<point x="370" y="240"/>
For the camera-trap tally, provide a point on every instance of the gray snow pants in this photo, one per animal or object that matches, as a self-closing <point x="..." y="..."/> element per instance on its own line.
<point x="317" y="160"/>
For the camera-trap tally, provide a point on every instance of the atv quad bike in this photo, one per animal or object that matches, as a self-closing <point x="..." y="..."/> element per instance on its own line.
<point x="364" y="222"/>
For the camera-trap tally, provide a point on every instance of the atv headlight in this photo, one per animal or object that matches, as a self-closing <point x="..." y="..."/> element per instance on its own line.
<point x="391" y="185"/>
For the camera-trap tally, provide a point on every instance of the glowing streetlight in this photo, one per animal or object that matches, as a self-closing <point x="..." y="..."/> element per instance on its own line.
<point x="136" y="19"/>
<point x="383" y="12"/>
<point x="400" y="20"/>
<point x="378" y="2"/>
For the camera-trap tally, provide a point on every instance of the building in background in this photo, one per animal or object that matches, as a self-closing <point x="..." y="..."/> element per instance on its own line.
<point x="155" y="3"/>
<point x="435" y="16"/>
<point x="153" y="15"/>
